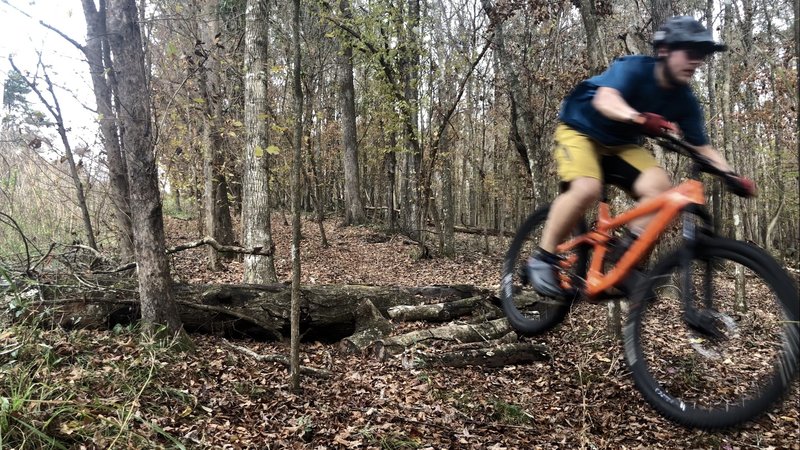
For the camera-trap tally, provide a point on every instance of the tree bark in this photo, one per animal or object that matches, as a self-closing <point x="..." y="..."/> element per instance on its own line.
<point x="256" y="213"/>
<point x="390" y="169"/>
<point x="155" y="284"/>
<point x="411" y="213"/>
<point x="594" y="41"/>
<point x="797" y="117"/>
<point x="448" y="237"/>
<point x="314" y="155"/>
<point x="660" y="10"/>
<point x="354" y="206"/>
<point x="215" y="197"/>
<point x="294" y="372"/>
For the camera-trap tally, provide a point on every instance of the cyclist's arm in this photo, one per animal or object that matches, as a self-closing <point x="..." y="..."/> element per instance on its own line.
<point x="715" y="157"/>
<point x="609" y="102"/>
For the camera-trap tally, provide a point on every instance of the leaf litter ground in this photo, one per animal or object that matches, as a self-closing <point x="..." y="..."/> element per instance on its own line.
<point x="215" y="397"/>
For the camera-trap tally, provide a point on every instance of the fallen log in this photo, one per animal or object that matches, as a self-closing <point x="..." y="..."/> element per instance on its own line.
<point x="508" y="338"/>
<point x="436" y="312"/>
<point x="453" y="333"/>
<point x="504" y="355"/>
<point x="328" y="312"/>
<point x="370" y="326"/>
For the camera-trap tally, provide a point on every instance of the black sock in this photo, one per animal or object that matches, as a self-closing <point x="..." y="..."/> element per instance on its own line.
<point x="545" y="256"/>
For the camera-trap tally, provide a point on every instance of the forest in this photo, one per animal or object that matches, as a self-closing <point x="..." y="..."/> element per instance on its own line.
<point x="282" y="224"/>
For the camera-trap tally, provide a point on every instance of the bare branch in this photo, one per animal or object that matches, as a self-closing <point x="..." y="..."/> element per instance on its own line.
<point x="13" y="223"/>
<point x="55" y="30"/>
<point x="322" y="373"/>
<point x="49" y="251"/>
<point x="205" y="241"/>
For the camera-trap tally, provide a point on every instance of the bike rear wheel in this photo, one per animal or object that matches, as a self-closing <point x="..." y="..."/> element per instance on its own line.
<point x="528" y="312"/>
<point x="693" y="377"/>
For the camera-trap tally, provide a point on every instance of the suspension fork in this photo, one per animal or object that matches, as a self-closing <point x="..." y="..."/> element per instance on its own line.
<point x="693" y="232"/>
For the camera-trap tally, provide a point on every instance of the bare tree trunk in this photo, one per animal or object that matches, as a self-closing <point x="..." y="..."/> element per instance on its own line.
<point x="728" y="138"/>
<point x="353" y="205"/>
<point x="777" y="144"/>
<point x="296" y="162"/>
<point x="390" y="167"/>
<point x="521" y="133"/>
<point x="215" y="188"/>
<point x="313" y="156"/>
<point x="155" y="284"/>
<point x="448" y="203"/>
<point x="797" y="118"/>
<point x="256" y="213"/>
<point x="412" y="160"/>
<point x="95" y="33"/>
<point x="716" y="200"/>
<point x="490" y="356"/>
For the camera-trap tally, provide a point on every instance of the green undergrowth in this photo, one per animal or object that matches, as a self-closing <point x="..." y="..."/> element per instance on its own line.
<point x="182" y="212"/>
<point x="64" y="389"/>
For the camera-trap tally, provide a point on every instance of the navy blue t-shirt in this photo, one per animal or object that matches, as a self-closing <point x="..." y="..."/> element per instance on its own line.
<point x="634" y="77"/>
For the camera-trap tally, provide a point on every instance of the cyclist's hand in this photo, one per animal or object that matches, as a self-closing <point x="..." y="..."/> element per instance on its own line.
<point x="654" y="125"/>
<point x="741" y="186"/>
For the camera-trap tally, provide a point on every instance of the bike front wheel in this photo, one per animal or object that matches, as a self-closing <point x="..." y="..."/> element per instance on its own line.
<point x="528" y="312"/>
<point x="745" y="356"/>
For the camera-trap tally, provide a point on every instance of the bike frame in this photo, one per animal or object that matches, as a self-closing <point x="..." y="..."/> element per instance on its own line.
<point x="666" y="207"/>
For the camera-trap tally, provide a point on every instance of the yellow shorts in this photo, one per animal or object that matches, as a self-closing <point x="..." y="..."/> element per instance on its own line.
<point x="577" y="155"/>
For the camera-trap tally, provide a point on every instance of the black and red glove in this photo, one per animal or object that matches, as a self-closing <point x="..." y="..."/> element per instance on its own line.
<point x="739" y="185"/>
<point x="654" y="125"/>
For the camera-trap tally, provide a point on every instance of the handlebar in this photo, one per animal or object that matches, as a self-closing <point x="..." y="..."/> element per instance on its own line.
<point x="740" y="186"/>
<point x="702" y="164"/>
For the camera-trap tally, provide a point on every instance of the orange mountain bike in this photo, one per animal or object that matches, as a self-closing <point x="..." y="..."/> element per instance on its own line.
<point x="712" y="334"/>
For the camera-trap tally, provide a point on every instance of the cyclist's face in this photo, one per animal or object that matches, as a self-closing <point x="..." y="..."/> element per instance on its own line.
<point x="683" y="62"/>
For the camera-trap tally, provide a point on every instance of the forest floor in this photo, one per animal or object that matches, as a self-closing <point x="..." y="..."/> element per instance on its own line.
<point x="125" y="393"/>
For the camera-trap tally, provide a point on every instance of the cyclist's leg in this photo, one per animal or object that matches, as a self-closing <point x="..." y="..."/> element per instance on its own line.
<point x="636" y="170"/>
<point x="651" y="183"/>
<point x="578" y="166"/>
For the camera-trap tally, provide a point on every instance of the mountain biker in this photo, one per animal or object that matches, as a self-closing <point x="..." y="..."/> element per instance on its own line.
<point x="602" y="123"/>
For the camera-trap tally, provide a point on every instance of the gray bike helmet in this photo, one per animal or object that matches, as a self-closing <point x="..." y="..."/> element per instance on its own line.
<point x="685" y="31"/>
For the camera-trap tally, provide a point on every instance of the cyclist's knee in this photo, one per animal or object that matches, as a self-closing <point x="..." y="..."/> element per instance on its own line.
<point x="652" y="182"/>
<point x="585" y="191"/>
